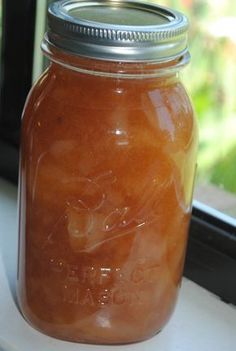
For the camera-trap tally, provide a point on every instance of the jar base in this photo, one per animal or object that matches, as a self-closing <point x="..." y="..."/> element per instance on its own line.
<point x="91" y="341"/>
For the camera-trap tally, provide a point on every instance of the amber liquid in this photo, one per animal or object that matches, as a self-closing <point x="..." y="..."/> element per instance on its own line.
<point x="107" y="172"/>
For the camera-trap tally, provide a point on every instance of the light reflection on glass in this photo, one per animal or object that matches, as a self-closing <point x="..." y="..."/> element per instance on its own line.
<point x="122" y="137"/>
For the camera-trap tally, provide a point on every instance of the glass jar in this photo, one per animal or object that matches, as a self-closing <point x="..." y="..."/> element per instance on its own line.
<point x="108" y="158"/>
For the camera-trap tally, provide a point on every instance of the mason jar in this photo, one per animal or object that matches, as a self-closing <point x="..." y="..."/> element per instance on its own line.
<point x="108" y="158"/>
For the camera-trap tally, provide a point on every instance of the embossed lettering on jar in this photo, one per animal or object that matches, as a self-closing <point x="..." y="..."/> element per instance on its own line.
<point x="108" y="158"/>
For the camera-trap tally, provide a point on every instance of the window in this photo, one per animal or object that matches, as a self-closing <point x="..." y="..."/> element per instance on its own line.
<point x="0" y="23"/>
<point x="16" y="74"/>
<point x="209" y="78"/>
<point x="210" y="81"/>
<point x="211" y="255"/>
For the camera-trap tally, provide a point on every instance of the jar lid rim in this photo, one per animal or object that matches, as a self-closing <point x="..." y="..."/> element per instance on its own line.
<point x="119" y="30"/>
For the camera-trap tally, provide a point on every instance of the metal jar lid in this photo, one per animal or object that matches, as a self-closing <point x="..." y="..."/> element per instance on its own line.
<point x="118" y="30"/>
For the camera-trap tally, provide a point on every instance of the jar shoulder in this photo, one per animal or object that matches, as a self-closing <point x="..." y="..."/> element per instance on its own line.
<point x="73" y="105"/>
<point x="35" y="97"/>
<point x="68" y="88"/>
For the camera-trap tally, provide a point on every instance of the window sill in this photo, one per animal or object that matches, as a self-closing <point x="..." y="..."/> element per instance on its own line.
<point x="201" y="320"/>
<point x="217" y="198"/>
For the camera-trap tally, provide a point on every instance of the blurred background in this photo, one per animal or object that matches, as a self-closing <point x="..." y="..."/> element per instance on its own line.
<point x="211" y="81"/>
